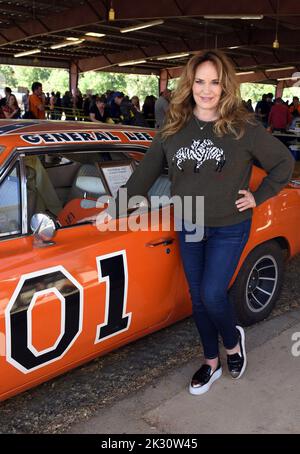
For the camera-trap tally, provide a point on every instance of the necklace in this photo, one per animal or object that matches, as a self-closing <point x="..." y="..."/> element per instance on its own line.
<point x="200" y="127"/>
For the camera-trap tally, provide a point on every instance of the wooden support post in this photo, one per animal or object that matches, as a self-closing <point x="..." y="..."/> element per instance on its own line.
<point x="73" y="77"/>
<point x="163" y="80"/>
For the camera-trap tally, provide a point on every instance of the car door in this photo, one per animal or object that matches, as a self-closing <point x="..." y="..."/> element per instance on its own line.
<point x="84" y="294"/>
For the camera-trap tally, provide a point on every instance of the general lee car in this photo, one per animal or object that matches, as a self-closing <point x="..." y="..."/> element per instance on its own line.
<point x="68" y="298"/>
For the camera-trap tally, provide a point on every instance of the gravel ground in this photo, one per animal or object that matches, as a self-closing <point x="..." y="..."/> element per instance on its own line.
<point x="57" y="404"/>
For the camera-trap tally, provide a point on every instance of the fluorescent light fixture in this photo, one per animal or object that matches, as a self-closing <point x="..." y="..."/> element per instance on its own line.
<point x="280" y="69"/>
<point x="235" y="16"/>
<point x="234" y="47"/>
<point x="133" y="62"/>
<point x="287" y="78"/>
<point x="27" y="52"/>
<point x="140" y="26"/>
<point x="95" y="35"/>
<point x="71" y="38"/>
<point x="244" y="73"/>
<point x="169" y="57"/>
<point x="67" y="43"/>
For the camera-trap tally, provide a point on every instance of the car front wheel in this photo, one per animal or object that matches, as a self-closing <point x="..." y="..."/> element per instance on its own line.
<point x="258" y="283"/>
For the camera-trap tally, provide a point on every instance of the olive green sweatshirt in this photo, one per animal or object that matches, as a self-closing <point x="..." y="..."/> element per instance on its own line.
<point x="203" y="164"/>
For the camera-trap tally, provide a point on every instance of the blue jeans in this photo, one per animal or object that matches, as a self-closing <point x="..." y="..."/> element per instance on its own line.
<point x="209" y="265"/>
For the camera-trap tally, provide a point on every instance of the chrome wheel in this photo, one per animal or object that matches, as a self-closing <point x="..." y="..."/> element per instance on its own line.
<point x="261" y="283"/>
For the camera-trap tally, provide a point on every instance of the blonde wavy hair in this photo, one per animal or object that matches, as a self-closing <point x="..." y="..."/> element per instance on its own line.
<point x="233" y="116"/>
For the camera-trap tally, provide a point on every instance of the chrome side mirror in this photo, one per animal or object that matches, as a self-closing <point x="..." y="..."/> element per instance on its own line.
<point x="43" y="229"/>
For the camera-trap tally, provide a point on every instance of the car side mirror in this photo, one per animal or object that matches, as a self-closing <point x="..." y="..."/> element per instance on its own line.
<point x="43" y="228"/>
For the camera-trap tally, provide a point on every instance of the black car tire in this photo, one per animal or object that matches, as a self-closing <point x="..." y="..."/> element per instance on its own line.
<point x="258" y="283"/>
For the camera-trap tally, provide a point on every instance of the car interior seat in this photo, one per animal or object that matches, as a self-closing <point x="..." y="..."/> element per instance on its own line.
<point x="86" y="189"/>
<point x="86" y="170"/>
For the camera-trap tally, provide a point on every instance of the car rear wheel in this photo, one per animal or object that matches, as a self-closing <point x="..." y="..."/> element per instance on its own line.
<point x="258" y="283"/>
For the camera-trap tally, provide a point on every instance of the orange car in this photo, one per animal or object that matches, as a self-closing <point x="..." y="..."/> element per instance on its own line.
<point x="68" y="298"/>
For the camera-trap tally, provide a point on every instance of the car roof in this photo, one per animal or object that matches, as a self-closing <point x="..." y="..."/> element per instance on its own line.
<point x="46" y="133"/>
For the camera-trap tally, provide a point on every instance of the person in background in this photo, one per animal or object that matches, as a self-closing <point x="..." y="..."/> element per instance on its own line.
<point x="67" y="105"/>
<point x="294" y="108"/>
<point x="12" y="109"/>
<point x="77" y="104"/>
<point x="270" y="102"/>
<point x="262" y="110"/>
<point x="249" y="106"/>
<point x="7" y="92"/>
<point x="58" y="107"/>
<point x="25" y="101"/>
<point x="139" y="119"/>
<point x="136" y="103"/>
<point x="47" y="106"/>
<point x="148" y="110"/>
<point x="87" y="104"/>
<point x="52" y="102"/>
<point x="99" y="111"/>
<point x="113" y="106"/>
<point x="161" y="107"/>
<point x="280" y="117"/>
<point x="127" y="111"/>
<point x="37" y="101"/>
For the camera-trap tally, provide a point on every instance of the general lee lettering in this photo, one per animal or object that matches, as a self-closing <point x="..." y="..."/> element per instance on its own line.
<point x="90" y="136"/>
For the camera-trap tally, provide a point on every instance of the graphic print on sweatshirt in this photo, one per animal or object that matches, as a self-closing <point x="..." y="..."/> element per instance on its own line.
<point x="200" y="151"/>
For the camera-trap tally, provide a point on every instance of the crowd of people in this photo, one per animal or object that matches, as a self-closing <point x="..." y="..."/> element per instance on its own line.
<point x="110" y="107"/>
<point x="116" y="107"/>
<point x="276" y="115"/>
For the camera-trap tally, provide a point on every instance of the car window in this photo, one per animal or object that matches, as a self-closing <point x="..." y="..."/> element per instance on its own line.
<point x="10" y="204"/>
<point x="68" y="185"/>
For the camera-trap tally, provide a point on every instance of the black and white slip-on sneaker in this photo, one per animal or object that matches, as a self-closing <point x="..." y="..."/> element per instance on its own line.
<point x="237" y="363"/>
<point x="204" y="378"/>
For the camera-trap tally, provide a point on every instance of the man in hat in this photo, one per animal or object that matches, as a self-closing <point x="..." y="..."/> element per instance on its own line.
<point x="127" y="111"/>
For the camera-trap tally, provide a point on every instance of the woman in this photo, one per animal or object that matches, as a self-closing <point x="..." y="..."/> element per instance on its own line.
<point x="99" y="111"/>
<point x="136" y="103"/>
<point x="138" y="115"/>
<point x="52" y="103"/>
<point x="12" y="109"/>
<point x="57" y="106"/>
<point x="149" y="110"/>
<point x="210" y="143"/>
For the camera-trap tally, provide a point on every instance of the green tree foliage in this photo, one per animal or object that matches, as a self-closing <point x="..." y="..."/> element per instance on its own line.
<point x="288" y="93"/>
<point x="172" y="83"/>
<point x="94" y="82"/>
<point x="23" y="76"/>
<point x="7" y="76"/>
<point x="100" y="82"/>
<point x="255" y="91"/>
<point x="130" y="84"/>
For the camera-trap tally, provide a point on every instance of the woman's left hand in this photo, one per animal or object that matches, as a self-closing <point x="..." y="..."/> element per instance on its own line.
<point x="246" y="202"/>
